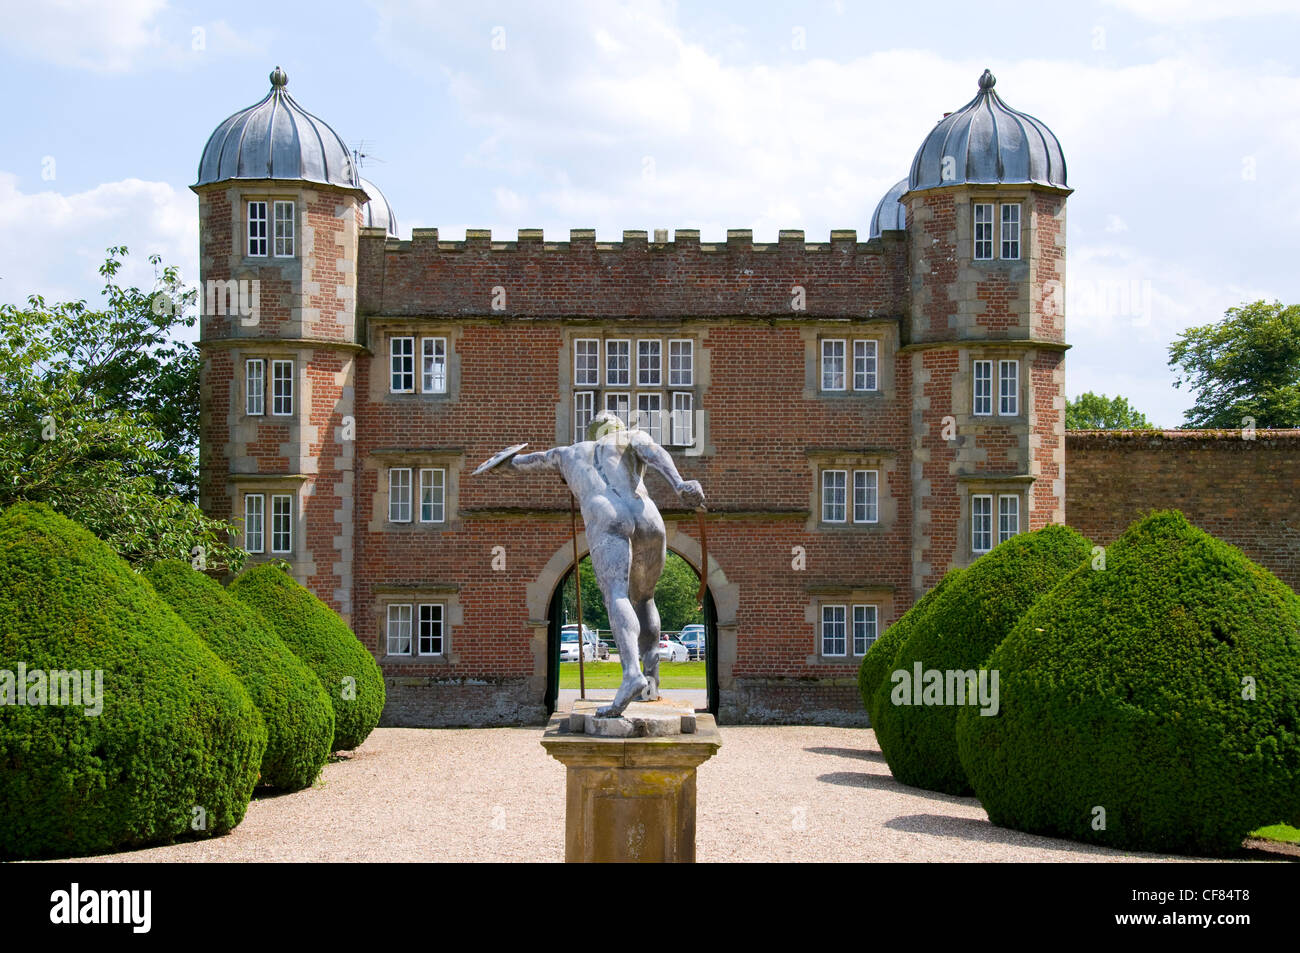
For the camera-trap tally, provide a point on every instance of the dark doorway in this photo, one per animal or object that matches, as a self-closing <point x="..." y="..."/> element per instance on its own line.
<point x="556" y="616"/>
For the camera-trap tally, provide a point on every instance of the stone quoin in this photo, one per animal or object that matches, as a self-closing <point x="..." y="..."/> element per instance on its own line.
<point x="862" y="414"/>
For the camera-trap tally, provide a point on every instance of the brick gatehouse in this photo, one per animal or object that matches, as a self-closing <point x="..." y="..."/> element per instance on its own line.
<point x="863" y="415"/>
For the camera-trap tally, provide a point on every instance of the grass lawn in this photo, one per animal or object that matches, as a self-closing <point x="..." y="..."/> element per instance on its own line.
<point x="610" y="674"/>
<point x="1280" y="832"/>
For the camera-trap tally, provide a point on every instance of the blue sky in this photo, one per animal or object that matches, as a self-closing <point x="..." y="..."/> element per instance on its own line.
<point x="1180" y="123"/>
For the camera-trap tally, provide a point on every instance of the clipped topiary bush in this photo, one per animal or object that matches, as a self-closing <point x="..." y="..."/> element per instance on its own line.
<point x="879" y="660"/>
<point x="298" y="714"/>
<point x="155" y="739"/>
<point x="917" y="710"/>
<point x="1153" y="705"/>
<point x="315" y="633"/>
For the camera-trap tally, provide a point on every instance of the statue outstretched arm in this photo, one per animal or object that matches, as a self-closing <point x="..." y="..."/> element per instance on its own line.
<point x="540" y="460"/>
<point x="659" y="459"/>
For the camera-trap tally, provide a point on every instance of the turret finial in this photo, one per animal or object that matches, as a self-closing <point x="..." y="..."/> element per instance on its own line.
<point x="279" y="78"/>
<point x="987" y="80"/>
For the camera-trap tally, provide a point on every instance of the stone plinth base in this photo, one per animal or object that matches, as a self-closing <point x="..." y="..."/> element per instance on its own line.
<point x="631" y="798"/>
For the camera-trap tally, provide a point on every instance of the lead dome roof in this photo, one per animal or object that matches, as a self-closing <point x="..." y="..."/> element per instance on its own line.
<point x="277" y="139"/>
<point x="989" y="143"/>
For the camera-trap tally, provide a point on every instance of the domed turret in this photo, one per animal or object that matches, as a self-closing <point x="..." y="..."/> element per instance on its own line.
<point x="377" y="212"/>
<point x="277" y="139"/>
<point x="987" y="142"/>
<point x="890" y="214"/>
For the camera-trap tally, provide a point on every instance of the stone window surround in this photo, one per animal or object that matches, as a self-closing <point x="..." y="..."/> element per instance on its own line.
<point x="883" y="461"/>
<point x="997" y="196"/>
<point x="987" y="485"/>
<point x="882" y="597"/>
<point x="995" y="354"/>
<point x="270" y="197"/>
<point x="883" y="332"/>
<point x="450" y="461"/>
<point x="271" y="485"/>
<point x="566" y="415"/>
<point x="453" y="617"/>
<point x="380" y="332"/>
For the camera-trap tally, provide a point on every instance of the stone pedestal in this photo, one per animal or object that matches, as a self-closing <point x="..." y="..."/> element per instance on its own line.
<point x="631" y="798"/>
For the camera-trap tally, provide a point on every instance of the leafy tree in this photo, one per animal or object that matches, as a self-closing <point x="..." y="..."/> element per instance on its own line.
<point x="1091" y="411"/>
<point x="1247" y="365"/>
<point x="98" y="418"/>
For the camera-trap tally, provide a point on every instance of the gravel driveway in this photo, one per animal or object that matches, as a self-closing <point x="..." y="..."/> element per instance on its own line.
<point x="771" y="794"/>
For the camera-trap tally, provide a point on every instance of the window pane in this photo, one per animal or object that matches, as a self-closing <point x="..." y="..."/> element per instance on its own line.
<point x="864" y="628"/>
<point x="833" y="630"/>
<point x="399" y="630"/>
<point x="865" y="488"/>
<point x="257" y="229"/>
<point x="399" y="495"/>
<point x="431" y="629"/>
<point x="620" y="404"/>
<point x="584" y="410"/>
<point x="254" y="504"/>
<point x="649" y="363"/>
<point x="1008" y="388"/>
<point x="403" y="365"/>
<point x="255" y="387"/>
<point x="983" y="231"/>
<point x="433" y="489"/>
<point x="981" y="515"/>
<point x="434" y="372"/>
<point x="618" y="363"/>
<point x="864" y="365"/>
<point x="1011" y="231"/>
<point x="282" y="388"/>
<point x="681" y="363"/>
<point x="983" y="404"/>
<point x="683" y="423"/>
<point x="586" y="362"/>
<point x="834" y="504"/>
<point x="281" y="524"/>
<point x="284" y="229"/>
<point x="832" y="365"/>
<point x="1008" y="517"/>
<point x="648" y="415"/>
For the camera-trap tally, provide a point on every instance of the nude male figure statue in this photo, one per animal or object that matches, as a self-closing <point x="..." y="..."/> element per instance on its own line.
<point x="625" y="533"/>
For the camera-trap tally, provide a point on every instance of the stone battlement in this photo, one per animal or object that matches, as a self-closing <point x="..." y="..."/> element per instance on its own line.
<point x="633" y="240"/>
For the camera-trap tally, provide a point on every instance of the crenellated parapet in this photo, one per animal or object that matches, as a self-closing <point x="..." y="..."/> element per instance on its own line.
<point x="530" y="276"/>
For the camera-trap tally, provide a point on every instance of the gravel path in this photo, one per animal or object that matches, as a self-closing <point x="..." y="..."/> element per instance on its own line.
<point x="492" y="794"/>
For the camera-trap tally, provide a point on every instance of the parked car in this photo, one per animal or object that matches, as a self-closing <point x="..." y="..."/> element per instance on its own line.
<point x="692" y="636"/>
<point x="591" y="649"/>
<point x="670" y="649"/>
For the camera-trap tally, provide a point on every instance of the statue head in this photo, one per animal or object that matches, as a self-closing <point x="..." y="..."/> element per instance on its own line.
<point x="603" y="423"/>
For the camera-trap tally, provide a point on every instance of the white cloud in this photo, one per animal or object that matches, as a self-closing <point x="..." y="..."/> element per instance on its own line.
<point x="117" y="36"/>
<point x="53" y="244"/>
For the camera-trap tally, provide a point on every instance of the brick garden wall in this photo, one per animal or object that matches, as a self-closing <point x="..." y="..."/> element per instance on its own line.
<point x="1246" y="492"/>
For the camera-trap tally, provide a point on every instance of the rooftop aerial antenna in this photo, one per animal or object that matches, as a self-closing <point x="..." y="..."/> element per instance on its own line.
<point x="360" y="155"/>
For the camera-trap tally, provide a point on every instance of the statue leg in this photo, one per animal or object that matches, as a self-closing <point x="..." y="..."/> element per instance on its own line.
<point x="611" y="557"/>
<point x="648" y="615"/>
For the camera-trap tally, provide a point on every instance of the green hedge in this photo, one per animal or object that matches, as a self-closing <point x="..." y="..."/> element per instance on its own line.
<point x="298" y="714"/>
<point x="963" y="626"/>
<point x="177" y="731"/>
<point x="315" y="633"/>
<point x="1123" y="689"/>
<point x="879" y="660"/>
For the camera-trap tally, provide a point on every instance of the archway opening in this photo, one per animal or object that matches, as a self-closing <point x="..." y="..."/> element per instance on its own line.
<point x="696" y="678"/>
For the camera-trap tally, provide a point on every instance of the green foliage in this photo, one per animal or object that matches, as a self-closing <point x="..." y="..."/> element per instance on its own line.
<point x="674" y="596"/>
<point x="964" y="625"/>
<point x="1130" y="689"/>
<point x="1091" y="411"/>
<point x="315" y="633"/>
<point x="298" y="714"/>
<point x="177" y="730"/>
<point x="1247" y="365"/>
<point x="879" y="660"/>
<point x="98" y="418"/>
